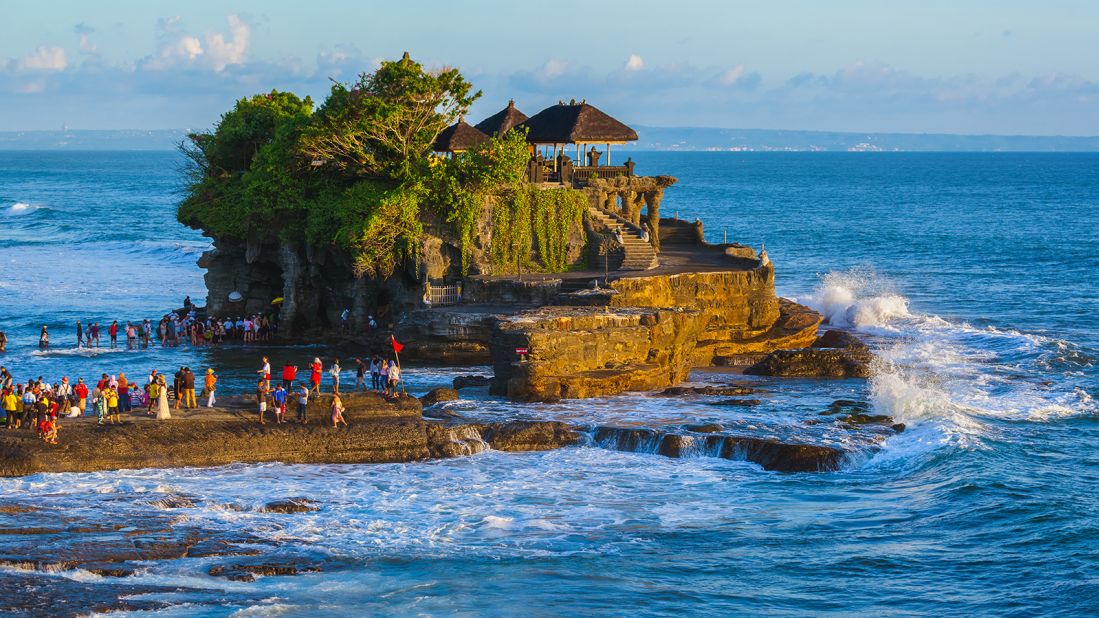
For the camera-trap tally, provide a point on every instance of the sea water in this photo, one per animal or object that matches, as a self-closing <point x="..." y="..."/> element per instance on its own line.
<point x="974" y="276"/>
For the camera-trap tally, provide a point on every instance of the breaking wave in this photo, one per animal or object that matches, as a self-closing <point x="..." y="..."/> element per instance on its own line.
<point x="950" y="382"/>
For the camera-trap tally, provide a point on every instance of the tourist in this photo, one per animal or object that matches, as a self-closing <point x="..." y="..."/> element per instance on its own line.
<point x="79" y="334"/>
<point x="345" y="317"/>
<point x="47" y="429"/>
<point x="334" y="371"/>
<point x="210" y="387"/>
<point x="189" y="401"/>
<point x="146" y="334"/>
<point x="337" y="412"/>
<point x="124" y="401"/>
<point x="29" y="399"/>
<point x="315" y="375"/>
<point x="11" y="406"/>
<point x="112" y="406"/>
<point x="261" y="399"/>
<point x="265" y="372"/>
<point x="5" y="378"/>
<point x="370" y="323"/>
<point x="153" y="390"/>
<point x="112" y="330"/>
<point x="376" y="373"/>
<point x="64" y="390"/>
<point x="131" y="336"/>
<point x="81" y="393"/>
<point x="93" y="334"/>
<point x="303" y="404"/>
<point x="289" y="374"/>
<point x="279" y="397"/>
<point x="360" y="375"/>
<point x="101" y="404"/>
<point x="162" y="410"/>
<point x="394" y="376"/>
<point x="3" y="341"/>
<point x="177" y="386"/>
<point x="44" y="339"/>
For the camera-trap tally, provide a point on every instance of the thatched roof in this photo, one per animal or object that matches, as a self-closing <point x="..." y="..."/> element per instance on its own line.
<point x="458" y="137"/>
<point x="576" y="123"/>
<point x="502" y="121"/>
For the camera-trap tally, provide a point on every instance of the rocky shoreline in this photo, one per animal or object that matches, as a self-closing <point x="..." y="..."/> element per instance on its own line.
<point x="380" y="431"/>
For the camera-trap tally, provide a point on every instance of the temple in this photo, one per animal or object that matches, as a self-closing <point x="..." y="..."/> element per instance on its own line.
<point x="624" y="207"/>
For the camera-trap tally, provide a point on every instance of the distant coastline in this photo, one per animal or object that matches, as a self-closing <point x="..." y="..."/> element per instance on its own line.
<point x="685" y="139"/>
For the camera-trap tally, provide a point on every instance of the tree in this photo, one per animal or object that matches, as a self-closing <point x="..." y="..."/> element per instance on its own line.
<point x="385" y="123"/>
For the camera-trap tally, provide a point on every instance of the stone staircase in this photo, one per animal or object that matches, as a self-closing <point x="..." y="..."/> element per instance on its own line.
<point x="639" y="254"/>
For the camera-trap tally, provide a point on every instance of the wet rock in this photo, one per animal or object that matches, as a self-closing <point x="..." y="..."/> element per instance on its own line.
<point x="530" y="436"/>
<point x="29" y="531"/>
<point x="838" y="339"/>
<point x="813" y="363"/>
<point x="16" y="509"/>
<point x="441" y="414"/>
<point x="847" y="406"/>
<point x="248" y="572"/>
<point x="705" y="428"/>
<point x="471" y="381"/>
<point x="724" y="391"/>
<point x="439" y="395"/>
<point x="291" y="505"/>
<point x="674" y="445"/>
<point x="867" y="419"/>
<point x="174" y="501"/>
<point x="737" y="403"/>
<point x="898" y="427"/>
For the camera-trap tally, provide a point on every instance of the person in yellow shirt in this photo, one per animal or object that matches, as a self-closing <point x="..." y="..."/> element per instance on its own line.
<point x="113" y="417"/>
<point x="11" y="404"/>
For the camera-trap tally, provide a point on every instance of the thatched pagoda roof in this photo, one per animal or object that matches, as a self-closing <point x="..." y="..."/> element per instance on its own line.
<point x="458" y="137"/>
<point x="572" y="123"/>
<point x="502" y="121"/>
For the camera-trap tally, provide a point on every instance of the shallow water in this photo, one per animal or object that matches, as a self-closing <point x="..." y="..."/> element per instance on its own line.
<point x="974" y="277"/>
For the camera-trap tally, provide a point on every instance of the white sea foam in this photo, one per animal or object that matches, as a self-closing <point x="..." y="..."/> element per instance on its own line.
<point x="947" y="381"/>
<point x="20" y="208"/>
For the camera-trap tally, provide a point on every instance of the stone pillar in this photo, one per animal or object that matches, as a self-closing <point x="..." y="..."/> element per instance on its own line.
<point x="635" y="201"/>
<point x="652" y="203"/>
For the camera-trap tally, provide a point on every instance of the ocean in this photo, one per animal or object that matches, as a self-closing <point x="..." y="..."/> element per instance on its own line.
<point x="975" y="277"/>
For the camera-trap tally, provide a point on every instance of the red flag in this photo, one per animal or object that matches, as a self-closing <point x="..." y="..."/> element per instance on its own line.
<point x="397" y="347"/>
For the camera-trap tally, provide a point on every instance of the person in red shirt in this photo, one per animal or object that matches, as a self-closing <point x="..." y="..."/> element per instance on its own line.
<point x="112" y="330"/>
<point x="289" y="374"/>
<point x="315" y="378"/>
<point x="81" y="391"/>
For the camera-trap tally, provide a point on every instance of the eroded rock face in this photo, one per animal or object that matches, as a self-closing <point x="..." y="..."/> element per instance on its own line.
<point x="813" y="363"/>
<point x="727" y="391"/>
<point x="578" y="352"/>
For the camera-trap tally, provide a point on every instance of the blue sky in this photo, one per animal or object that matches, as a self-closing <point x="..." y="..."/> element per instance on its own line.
<point x="976" y="66"/>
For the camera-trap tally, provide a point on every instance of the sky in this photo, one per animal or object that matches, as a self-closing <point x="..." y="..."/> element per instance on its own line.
<point x="928" y="66"/>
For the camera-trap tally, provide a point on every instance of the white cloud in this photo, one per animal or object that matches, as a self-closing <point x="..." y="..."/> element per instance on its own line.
<point x="44" y="59"/>
<point x="179" y="48"/>
<point x="221" y="52"/>
<point x="554" y="68"/>
<point x="84" y="31"/>
<point x="634" y="63"/>
<point x="733" y="75"/>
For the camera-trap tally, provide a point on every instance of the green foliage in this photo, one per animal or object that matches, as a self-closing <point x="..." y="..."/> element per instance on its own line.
<point x="385" y="123"/>
<point x="358" y="174"/>
<point x="526" y="219"/>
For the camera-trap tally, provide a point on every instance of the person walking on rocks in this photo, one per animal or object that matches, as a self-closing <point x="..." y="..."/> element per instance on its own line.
<point x="360" y="375"/>
<point x="112" y="330"/>
<point x="315" y="375"/>
<point x="337" y="412"/>
<point x="189" y="400"/>
<point x="394" y="379"/>
<point x="79" y="335"/>
<point x="303" y="404"/>
<point x="44" y="339"/>
<point x="279" y="397"/>
<point x="334" y="371"/>
<point x="265" y="372"/>
<point x="211" y="386"/>
<point x="289" y="374"/>
<point x="261" y="400"/>
<point x="376" y="373"/>
<point x="162" y="410"/>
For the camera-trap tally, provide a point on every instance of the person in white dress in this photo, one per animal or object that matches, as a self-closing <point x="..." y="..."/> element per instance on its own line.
<point x="162" y="411"/>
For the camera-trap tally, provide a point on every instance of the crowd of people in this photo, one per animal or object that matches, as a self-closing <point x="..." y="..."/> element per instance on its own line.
<point x="39" y="404"/>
